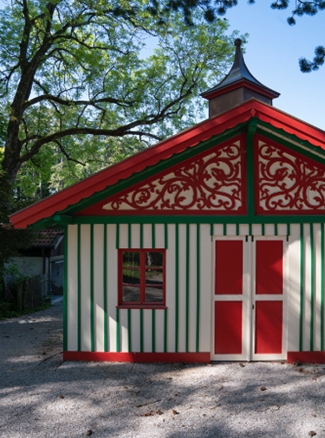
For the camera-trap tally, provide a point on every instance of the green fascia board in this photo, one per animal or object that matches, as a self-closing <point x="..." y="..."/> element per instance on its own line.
<point x="196" y="219"/>
<point x="292" y="142"/>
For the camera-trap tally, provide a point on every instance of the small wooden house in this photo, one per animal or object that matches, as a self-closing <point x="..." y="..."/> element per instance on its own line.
<point x="209" y="246"/>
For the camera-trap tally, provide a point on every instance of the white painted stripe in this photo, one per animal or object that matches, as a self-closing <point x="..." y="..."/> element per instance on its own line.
<point x="72" y="297"/>
<point x="160" y="235"/>
<point x="317" y="296"/>
<point x="135" y="330"/>
<point x="159" y="331"/>
<point x="135" y="236"/>
<point x="99" y="287"/>
<point x="147" y="236"/>
<point x="192" y="289"/>
<point x="282" y="230"/>
<point x="307" y="289"/>
<point x="231" y="230"/>
<point x="217" y="229"/>
<point x="147" y="330"/>
<point x="170" y="288"/>
<point x="257" y="230"/>
<point x="269" y="229"/>
<point x="181" y="329"/>
<point x="85" y="287"/>
<point x="206" y="257"/>
<point x="111" y="286"/>
<point x="294" y="288"/>
<point x="243" y="230"/>
<point x="124" y="236"/>
<point x="124" y="330"/>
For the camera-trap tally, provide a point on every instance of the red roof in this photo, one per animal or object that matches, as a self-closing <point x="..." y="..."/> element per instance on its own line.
<point x="164" y="150"/>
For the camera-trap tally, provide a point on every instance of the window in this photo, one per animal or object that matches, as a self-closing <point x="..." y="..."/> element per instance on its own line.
<point x="142" y="278"/>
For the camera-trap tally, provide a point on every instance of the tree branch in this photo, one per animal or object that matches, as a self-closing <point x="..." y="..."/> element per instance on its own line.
<point x="65" y="102"/>
<point x="67" y="156"/>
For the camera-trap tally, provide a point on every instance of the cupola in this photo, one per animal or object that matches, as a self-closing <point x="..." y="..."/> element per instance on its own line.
<point x="237" y="87"/>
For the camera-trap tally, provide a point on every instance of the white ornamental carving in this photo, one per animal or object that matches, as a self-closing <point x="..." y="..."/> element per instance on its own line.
<point x="212" y="182"/>
<point x="289" y="181"/>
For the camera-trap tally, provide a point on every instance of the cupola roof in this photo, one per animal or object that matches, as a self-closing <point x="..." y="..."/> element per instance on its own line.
<point x="239" y="85"/>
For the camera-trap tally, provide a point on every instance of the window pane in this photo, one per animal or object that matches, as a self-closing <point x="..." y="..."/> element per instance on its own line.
<point x="131" y="259"/>
<point x="154" y="277"/>
<point x="154" y="294"/>
<point x="131" y="294"/>
<point x="131" y="276"/>
<point x="154" y="259"/>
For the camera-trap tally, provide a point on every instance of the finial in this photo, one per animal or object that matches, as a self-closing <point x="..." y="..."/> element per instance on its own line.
<point x="238" y="42"/>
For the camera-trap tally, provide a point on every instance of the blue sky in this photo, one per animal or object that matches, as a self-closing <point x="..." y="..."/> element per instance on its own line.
<point x="272" y="55"/>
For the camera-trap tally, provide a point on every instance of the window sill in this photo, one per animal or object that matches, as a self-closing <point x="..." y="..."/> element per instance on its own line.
<point x="139" y="306"/>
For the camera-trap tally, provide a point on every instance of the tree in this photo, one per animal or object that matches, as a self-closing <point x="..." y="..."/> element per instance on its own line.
<point x="73" y="70"/>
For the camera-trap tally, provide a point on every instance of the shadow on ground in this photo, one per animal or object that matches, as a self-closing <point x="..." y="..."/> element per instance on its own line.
<point x="40" y="396"/>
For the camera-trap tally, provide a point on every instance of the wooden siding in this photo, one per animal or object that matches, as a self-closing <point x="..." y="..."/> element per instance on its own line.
<point x="94" y="323"/>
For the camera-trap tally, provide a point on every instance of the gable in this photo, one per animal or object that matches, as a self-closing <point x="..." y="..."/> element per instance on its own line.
<point x="287" y="182"/>
<point x="213" y="182"/>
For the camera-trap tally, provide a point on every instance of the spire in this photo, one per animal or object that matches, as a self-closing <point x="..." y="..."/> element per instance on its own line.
<point x="237" y="87"/>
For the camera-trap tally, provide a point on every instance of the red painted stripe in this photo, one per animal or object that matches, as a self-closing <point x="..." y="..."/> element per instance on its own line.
<point x="306" y="356"/>
<point x="136" y="357"/>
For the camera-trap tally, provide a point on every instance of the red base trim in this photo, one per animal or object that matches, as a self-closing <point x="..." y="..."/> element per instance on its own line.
<point x="136" y="357"/>
<point x="306" y="356"/>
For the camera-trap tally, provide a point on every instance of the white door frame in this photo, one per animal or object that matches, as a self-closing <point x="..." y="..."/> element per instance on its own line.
<point x="249" y="298"/>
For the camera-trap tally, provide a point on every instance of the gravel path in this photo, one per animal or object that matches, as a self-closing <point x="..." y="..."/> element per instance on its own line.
<point x="40" y="396"/>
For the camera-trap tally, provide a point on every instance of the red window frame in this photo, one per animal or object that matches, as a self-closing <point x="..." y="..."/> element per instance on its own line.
<point x="143" y="268"/>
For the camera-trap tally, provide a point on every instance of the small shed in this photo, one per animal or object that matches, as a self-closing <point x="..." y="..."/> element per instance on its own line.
<point x="209" y="246"/>
<point x="40" y="265"/>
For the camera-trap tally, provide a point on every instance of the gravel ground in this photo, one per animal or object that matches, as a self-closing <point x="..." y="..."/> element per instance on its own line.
<point x="41" y="396"/>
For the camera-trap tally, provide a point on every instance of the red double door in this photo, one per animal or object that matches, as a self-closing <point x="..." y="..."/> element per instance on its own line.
<point x="249" y="299"/>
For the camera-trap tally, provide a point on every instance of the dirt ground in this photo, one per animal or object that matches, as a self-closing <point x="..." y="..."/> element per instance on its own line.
<point x="42" y="396"/>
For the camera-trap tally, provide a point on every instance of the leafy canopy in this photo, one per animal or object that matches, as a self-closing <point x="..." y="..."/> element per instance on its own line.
<point x="78" y="93"/>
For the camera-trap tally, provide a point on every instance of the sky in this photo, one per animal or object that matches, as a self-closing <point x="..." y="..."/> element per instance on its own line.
<point x="273" y="51"/>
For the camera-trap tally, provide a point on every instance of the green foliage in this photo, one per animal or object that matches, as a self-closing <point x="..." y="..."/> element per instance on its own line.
<point x="12" y="240"/>
<point x="79" y="94"/>
<point x="8" y="309"/>
<point x="18" y="297"/>
<point x="308" y="66"/>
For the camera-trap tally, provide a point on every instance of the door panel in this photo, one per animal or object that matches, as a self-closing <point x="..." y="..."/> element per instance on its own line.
<point x="228" y="327"/>
<point x="268" y="327"/>
<point x="229" y="266"/>
<point x="269" y="267"/>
